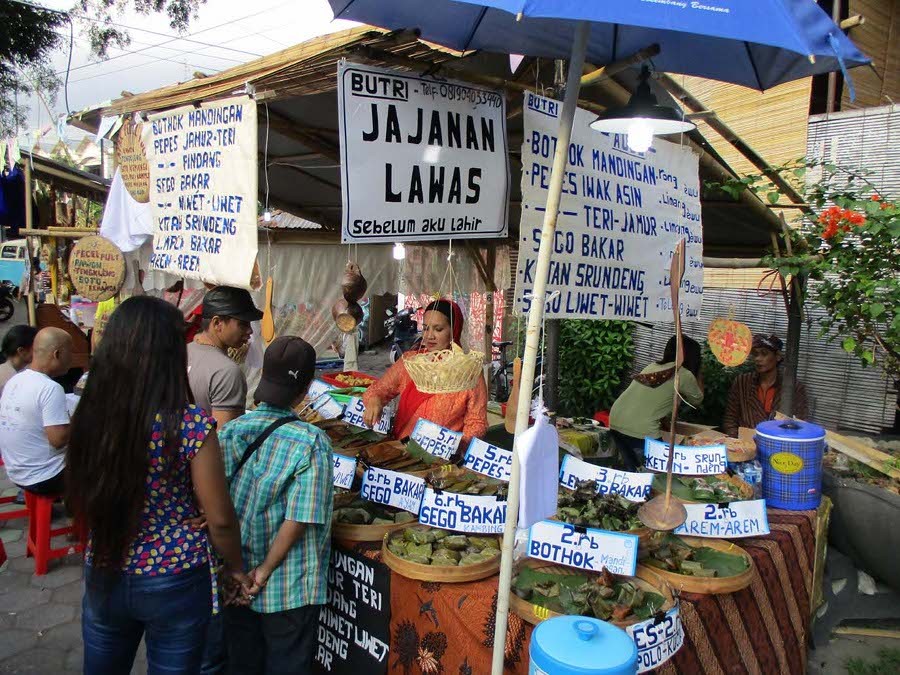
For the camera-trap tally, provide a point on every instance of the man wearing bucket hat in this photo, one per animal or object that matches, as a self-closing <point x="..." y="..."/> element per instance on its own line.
<point x="755" y="397"/>
<point x="280" y="472"/>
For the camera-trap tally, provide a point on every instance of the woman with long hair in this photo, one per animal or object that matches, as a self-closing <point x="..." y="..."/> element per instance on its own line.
<point x="637" y="414"/>
<point x="143" y="464"/>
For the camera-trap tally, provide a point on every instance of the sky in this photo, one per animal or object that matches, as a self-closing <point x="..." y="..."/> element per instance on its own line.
<point x="231" y="32"/>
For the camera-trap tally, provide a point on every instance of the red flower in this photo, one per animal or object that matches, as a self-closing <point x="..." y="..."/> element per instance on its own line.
<point x="876" y="198"/>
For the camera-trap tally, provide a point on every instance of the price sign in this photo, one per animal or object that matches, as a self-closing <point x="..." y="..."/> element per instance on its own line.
<point x="585" y="548"/>
<point x="435" y="439"/>
<point x="344" y="471"/>
<point x="632" y="486"/>
<point x="393" y="489"/>
<point x="463" y="513"/>
<point x="726" y="521"/>
<point x="657" y="642"/>
<point x="354" y="415"/>
<point x="323" y="404"/>
<point x="688" y="460"/>
<point x="488" y="460"/>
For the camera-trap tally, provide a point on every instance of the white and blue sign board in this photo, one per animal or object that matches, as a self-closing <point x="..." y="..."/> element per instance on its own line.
<point x="726" y="521"/>
<point x="355" y="411"/>
<point x="488" y="460"/>
<point x="632" y="486"/>
<point x="435" y="439"/>
<point x="344" y="471"/>
<point x="657" y="641"/>
<point x="392" y="488"/>
<point x="475" y="514"/>
<point x="584" y="548"/>
<point x="688" y="460"/>
<point x="321" y="402"/>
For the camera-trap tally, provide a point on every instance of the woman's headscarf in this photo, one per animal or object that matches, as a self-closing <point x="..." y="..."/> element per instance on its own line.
<point x="454" y="316"/>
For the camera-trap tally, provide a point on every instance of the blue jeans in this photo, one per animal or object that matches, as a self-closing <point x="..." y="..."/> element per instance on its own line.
<point x="172" y="612"/>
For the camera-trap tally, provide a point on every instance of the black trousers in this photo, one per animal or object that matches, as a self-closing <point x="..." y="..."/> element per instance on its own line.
<point x="280" y="643"/>
<point x="631" y="450"/>
<point x="52" y="487"/>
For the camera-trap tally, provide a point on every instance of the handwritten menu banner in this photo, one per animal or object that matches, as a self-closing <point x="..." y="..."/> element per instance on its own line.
<point x="203" y="190"/>
<point x="688" y="460"/>
<point x="726" y="521"/>
<point x="422" y="159"/>
<point x="392" y="488"/>
<point x="355" y="410"/>
<point x="488" y="460"/>
<point x="435" y="439"/>
<point x="657" y="641"/>
<point x="344" y="471"/>
<point x="354" y="631"/>
<point x="621" y="215"/>
<point x="96" y="268"/>
<point x="131" y="159"/>
<point x="585" y="548"/>
<point x="463" y="513"/>
<point x="632" y="486"/>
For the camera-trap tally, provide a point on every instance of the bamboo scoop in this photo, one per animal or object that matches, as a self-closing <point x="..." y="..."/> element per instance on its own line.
<point x="513" y="403"/>
<point x="662" y="512"/>
<point x="268" y="323"/>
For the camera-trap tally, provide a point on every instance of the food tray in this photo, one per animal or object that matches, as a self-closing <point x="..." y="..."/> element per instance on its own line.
<point x="331" y="378"/>
<point x="437" y="573"/>
<point x="349" y="532"/>
<point x="705" y="585"/>
<point x="534" y="614"/>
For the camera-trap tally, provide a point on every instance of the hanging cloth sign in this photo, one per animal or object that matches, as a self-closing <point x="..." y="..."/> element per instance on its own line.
<point x="488" y="460"/>
<point x="131" y="159"/>
<point x="344" y="471"/>
<point x="203" y="190"/>
<point x="423" y="159"/>
<point x="726" y="521"/>
<point x="435" y="439"/>
<point x="475" y="514"/>
<point x="633" y="486"/>
<point x="353" y="415"/>
<point x="583" y="547"/>
<point x="657" y="641"/>
<point x="688" y="460"/>
<point x="620" y="217"/>
<point x="392" y="488"/>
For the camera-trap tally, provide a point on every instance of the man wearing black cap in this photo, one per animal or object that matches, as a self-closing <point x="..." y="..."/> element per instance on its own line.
<point x="217" y="382"/>
<point x="280" y="472"/>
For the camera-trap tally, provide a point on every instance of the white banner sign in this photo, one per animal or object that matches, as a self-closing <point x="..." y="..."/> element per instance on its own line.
<point x="344" y="471"/>
<point x="203" y="190"/>
<point x="321" y="402"/>
<point x="621" y="215"/>
<point x="463" y="513"/>
<point x="435" y="439"/>
<point x="423" y="159"/>
<point x="687" y="460"/>
<point x="585" y="548"/>
<point x="657" y="642"/>
<point x="488" y="460"/>
<point x="392" y="488"/>
<point x="353" y="415"/>
<point x="726" y="521"/>
<point x="633" y="486"/>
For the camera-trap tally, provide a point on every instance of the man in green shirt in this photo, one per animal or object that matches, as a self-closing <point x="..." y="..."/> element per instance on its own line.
<point x="282" y="492"/>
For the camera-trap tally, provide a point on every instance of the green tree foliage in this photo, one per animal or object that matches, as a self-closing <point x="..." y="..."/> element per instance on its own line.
<point x="717" y="380"/>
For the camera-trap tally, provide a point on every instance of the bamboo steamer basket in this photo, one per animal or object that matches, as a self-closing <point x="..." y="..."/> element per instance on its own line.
<point x="352" y="532"/>
<point x="438" y="573"/>
<point x="706" y="585"/>
<point x="534" y="614"/>
<point x="347" y="315"/>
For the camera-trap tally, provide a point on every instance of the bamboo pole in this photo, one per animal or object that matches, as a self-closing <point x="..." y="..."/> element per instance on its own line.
<point x="29" y="215"/>
<point x="532" y="334"/>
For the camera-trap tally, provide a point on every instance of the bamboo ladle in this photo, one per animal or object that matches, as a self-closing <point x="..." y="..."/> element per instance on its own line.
<point x="662" y="512"/>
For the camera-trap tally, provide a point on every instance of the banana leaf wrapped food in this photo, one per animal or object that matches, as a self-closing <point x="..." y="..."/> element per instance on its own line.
<point x="362" y="512"/>
<point x="672" y="554"/>
<point x="584" y="506"/>
<point x="463" y="481"/>
<point x="431" y="546"/>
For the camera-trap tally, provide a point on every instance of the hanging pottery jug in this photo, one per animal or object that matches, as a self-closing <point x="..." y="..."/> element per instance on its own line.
<point x="354" y="283"/>
<point x="347" y="315"/>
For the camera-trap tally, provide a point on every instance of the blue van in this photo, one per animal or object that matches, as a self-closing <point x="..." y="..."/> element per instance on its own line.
<point x="12" y="260"/>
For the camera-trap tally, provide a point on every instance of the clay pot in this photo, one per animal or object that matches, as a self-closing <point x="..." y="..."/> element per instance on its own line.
<point x="354" y="283"/>
<point x="347" y="315"/>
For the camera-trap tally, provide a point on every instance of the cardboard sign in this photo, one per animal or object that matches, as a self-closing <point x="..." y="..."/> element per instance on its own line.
<point x="633" y="486"/>
<point x="620" y="217"/>
<point x="96" y="268"/>
<point x="584" y="548"/>
<point x="435" y="439"/>
<point x="423" y="159"/>
<point x="463" y="513"/>
<point x="726" y="521"/>
<point x="353" y="414"/>
<point x="354" y="631"/>
<point x="321" y="402"/>
<point x="688" y="460"/>
<point x="392" y="488"/>
<point x="488" y="460"/>
<point x="657" y="642"/>
<point x="344" y="471"/>
<point x="131" y="159"/>
<point x="203" y="190"/>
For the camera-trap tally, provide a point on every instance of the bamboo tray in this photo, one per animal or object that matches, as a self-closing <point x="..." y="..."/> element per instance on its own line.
<point x="438" y="573"/>
<point x="705" y="585"/>
<point x="350" y="532"/>
<point x="534" y="614"/>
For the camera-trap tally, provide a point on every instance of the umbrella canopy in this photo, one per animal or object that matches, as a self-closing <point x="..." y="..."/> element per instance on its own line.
<point x="755" y="43"/>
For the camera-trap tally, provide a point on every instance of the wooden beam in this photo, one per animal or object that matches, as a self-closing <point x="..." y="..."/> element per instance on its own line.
<point x="741" y="263"/>
<point x="611" y="69"/>
<point x="62" y="233"/>
<point x="867" y="632"/>
<point x="297" y="131"/>
<point x="308" y="174"/>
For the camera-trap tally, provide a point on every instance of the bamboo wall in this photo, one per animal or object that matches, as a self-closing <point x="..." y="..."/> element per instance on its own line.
<point x="878" y="38"/>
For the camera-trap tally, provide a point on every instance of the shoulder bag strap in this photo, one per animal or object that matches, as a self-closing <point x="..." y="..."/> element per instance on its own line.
<point x="254" y="446"/>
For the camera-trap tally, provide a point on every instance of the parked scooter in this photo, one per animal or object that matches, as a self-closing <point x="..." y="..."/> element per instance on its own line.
<point x="402" y="327"/>
<point x="8" y="292"/>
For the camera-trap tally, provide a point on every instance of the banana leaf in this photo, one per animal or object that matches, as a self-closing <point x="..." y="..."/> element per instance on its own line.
<point x="724" y="564"/>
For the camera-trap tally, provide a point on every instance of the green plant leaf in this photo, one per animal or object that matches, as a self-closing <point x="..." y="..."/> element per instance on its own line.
<point x="773" y="196"/>
<point x="876" y="309"/>
<point x="849" y="344"/>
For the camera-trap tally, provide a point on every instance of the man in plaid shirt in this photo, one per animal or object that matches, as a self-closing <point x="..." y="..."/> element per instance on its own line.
<point x="282" y="493"/>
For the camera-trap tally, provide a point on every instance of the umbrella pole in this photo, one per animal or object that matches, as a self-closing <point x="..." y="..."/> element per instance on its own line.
<point x="532" y="335"/>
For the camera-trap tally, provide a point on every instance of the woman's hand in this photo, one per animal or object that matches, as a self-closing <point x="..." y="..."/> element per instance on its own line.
<point x="260" y="576"/>
<point x="373" y="413"/>
<point x="240" y="588"/>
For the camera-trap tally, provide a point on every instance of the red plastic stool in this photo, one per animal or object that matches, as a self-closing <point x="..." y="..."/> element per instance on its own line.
<point x="14" y="513"/>
<point x="2" y="553"/>
<point x="40" y="535"/>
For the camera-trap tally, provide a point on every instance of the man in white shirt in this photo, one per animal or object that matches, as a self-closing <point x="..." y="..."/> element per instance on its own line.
<point x="34" y="422"/>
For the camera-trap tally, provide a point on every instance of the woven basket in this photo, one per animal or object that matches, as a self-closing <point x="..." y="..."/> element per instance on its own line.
<point x="445" y="372"/>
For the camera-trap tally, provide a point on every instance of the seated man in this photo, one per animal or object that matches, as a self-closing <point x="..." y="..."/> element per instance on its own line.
<point x="34" y="422"/>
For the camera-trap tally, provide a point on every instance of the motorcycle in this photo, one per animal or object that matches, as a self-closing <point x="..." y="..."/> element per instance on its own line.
<point x="8" y="292"/>
<point x="401" y="326"/>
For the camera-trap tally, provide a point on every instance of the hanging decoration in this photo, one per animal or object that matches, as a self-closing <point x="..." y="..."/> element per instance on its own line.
<point x="730" y="341"/>
<point x="97" y="268"/>
<point x="346" y="312"/>
<point x="132" y="161"/>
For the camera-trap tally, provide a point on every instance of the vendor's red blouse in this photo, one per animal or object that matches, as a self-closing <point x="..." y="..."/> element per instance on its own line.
<point x="464" y="411"/>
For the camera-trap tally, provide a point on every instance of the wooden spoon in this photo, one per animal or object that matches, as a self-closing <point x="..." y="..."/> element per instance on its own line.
<point x="268" y="322"/>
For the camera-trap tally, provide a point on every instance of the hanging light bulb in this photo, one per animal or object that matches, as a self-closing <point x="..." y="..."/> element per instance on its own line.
<point x="399" y="251"/>
<point x="640" y="135"/>
<point x="267" y="216"/>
